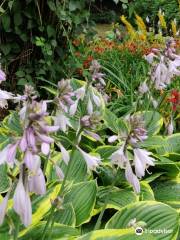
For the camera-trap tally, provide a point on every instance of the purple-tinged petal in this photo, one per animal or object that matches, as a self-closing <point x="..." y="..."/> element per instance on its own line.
<point x="23" y="143"/>
<point x="22" y="203"/>
<point x="45" y="148"/>
<point x="32" y="161"/>
<point x="59" y="172"/>
<point x="12" y="153"/>
<point x="37" y="183"/>
<point x="45" y="138"/>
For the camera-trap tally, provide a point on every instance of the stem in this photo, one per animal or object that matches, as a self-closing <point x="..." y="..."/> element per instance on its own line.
<point x="16" y="229"/>
<point x="53" y="208"/>
<point x="99" y="221"/>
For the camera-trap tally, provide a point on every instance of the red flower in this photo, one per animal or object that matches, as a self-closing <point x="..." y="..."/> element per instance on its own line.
<point x="174" y="99"/>
<point x="87" y="62"/>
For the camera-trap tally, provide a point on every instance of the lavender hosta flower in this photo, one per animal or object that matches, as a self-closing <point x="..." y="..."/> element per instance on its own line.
<point x="2" y="76"/>
<point x="80" y="93"/>
<point x="89" y="106"/>
<point x="45" y="148"/>
<point x="96" y="74"/>
<point x="142" y="161"/>
<point x="132" y="178"/>
<point x="73" y="108"/>
<point x="92" y="161"/>
<point x="65" y="154"/>
<point x="59" y="172"/>
<point x="4" y="96"/>
<point x="32" y="161"/>
<point x="62" y="121"/>
<point x="3" y="208"/>
<point x="170" y="127"/>
<point x="11" y="155"/>
<point x="23" y="142"/>
<point x="112" y="138"/>
<point x="143" y="88"/>
<point x="22" y="203"/>
<point x="119" y="158"/>
<point x="96" y="99"/>
<point x="36" y="183"/>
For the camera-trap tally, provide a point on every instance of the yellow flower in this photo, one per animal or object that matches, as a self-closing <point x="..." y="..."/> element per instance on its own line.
<point x="129" y="27"/>
<point x="173" y="27"/>
<point x="141" y="23"/>
<point x="162" y="20"/>
<point x="142" y="27"/>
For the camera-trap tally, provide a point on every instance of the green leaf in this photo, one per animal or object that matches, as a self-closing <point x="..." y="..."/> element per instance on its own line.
<point x="12" y="123"/>
<point x="168" y="166"/>
<point x="115" y="234"/>
<point x="50" y="90"/>
<point x="116" y="125"/>
<point x="66" y="215"/>
<point x="153" y="122"/>
<point x="4" y="180"/>
<point x="59" y="231"/>
<point x="117" y="198"/>
<point x="106" y="151"/>
<point x="6" y="22"/>
<point x="172" y="145"/>
<point x="146" y="192"/>
<point x="156" y="215"/>
<point x="82" y="196"/>
<point x="168" y="192"/>
<point x="78" y="168"/>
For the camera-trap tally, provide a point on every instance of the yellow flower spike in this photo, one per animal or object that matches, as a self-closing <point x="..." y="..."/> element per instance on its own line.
<point x="162" y="20"/>
<point x="141" y="24"/>
<point x="129" y="27"/>
<point x="173" y="27"/>
<point x="142" y="27"/>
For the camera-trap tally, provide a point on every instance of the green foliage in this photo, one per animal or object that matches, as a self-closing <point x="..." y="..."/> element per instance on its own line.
<point x="34" y="38"/>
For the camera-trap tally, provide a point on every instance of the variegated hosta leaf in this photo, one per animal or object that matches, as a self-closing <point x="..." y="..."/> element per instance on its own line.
<point x="153" y="215"/>
<point x="82" y="196"/>
<point x="115" y="234"/>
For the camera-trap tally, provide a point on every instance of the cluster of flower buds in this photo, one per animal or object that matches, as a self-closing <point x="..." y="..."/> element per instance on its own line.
<point x="165" y="66"/>
<point x="34" y="141"/>
<point x="98" y="79"/>
<point x="138" y="131"/>
<point x="141" y="159"/>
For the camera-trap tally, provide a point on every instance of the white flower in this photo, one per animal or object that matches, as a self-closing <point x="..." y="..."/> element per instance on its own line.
<point x="96" y="99"/>
<point x="143" y="88"/>
<point x="22" y="203"/>
<point x="91" y="161"/>
<point x="3" y="207"/>
<point x="112" y="138"/>
<point x="37" y="183"/>
<point x="59" y="172"/>
<point x="89" y="107"/>
<point x="170" y="128"/>
<point x="62" y="121"/>
<point x="73" y="108"/>
<point x="150" y="57"/>
<point x="80" y="92"/>
<point x="119" y="157"/>
<point x="142" y="161"/>
<point x="131" y="178"/>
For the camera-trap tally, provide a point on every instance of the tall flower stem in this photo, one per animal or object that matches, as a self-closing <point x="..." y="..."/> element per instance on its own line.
<point x="53" y="208"/>
<point x="16" y="229"/>
<point x="99" y="221"/>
